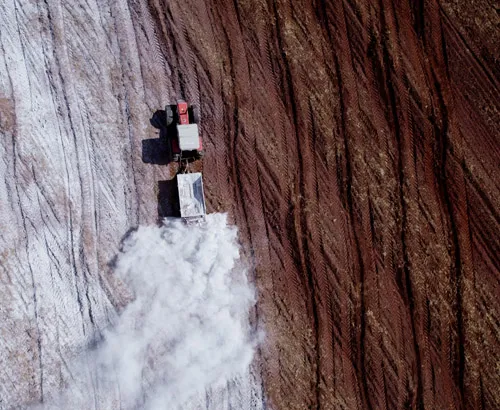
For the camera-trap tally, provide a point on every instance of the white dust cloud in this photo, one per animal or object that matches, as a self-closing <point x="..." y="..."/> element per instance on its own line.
<point x="185" y="333"/>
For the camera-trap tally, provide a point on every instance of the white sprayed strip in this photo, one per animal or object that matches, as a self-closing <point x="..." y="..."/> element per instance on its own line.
<point x="184" y="342"/>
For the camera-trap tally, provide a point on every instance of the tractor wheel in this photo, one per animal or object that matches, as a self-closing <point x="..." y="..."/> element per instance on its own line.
<point x="194" y="115"/>
<point x="169" y="115"/>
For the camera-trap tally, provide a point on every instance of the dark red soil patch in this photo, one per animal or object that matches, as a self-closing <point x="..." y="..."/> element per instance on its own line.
<point x="356" y="146"/>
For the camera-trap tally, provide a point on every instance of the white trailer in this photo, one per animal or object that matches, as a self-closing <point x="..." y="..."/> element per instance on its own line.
<point x="191" y="197"/>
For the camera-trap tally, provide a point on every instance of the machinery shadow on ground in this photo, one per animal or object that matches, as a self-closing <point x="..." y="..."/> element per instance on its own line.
<point x="168" y="199"/>
<point x="156" y="150"/>
<point x="158" y="120"/>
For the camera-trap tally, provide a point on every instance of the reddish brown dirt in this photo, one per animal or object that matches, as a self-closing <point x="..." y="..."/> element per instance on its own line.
<point x="356" y="146"/>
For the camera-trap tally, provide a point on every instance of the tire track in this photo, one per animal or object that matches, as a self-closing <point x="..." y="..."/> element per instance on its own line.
<point x="353" y="143"/>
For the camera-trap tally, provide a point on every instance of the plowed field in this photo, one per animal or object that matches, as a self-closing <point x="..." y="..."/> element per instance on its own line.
<point x="354" y="143"/>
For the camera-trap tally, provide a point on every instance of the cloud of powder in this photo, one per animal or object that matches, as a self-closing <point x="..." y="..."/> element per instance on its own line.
<point x="186" y="329"/>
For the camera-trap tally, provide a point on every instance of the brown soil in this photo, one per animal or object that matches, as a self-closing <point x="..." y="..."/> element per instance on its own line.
<point x="356" y="146"/>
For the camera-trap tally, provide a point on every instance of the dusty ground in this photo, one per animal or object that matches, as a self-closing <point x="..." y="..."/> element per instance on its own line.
<point x="355" y="144"/>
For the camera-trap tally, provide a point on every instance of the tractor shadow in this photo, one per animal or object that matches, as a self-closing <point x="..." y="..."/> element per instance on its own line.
<point x="168" y="199"/>
<point x="157" y="150"/>
<point x="159" y="119"/>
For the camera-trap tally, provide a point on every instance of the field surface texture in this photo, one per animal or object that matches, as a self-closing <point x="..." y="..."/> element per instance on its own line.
<point x="354" y="143"/>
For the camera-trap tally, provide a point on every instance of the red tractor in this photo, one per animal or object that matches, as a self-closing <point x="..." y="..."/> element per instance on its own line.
<point x="182" y="132"/>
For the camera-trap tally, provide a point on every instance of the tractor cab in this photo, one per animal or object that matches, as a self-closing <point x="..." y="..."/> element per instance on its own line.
<point x="186" y="143"/>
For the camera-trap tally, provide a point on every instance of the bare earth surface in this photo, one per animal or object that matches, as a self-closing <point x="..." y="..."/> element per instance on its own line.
<point x="355" y="144"/>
